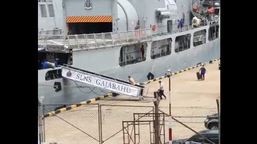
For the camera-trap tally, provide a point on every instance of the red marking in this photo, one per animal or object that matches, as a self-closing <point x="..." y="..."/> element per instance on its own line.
<point x="153" y="27"/>
<point x="170" y="134"/>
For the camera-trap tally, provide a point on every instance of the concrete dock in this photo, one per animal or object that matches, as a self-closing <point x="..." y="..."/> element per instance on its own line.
<point x="191" y="101"/>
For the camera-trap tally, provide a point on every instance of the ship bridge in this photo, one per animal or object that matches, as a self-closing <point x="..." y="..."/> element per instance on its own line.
<point x="102" y="81"/>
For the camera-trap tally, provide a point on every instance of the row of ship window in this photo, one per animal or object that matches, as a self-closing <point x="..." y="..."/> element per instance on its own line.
<point x="133" y="54"/>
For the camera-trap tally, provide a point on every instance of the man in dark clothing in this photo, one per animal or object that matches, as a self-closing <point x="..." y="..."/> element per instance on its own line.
<point x="182" y="23"/>
<point x="150" y="76"/>
<point x="142" y="49"/>
<point x="202" y="72"/>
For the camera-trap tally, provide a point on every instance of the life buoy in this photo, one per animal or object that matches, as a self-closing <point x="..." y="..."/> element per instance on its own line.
<point x="195" y="8"/>
<point x="153" y="27"/>
<point x="210" y="10"/>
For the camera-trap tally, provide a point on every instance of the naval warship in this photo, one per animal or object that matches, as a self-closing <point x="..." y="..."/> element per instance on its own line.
<point x="120" y="38"/>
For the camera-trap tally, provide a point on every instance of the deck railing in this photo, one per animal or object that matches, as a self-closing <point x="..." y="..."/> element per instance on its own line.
<point x="100" y="40"/>
<point x="96" y="40"/>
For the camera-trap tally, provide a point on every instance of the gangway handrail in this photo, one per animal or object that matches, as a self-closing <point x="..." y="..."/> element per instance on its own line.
<point x="119" y="80"/>
<point x="102" y="81"/>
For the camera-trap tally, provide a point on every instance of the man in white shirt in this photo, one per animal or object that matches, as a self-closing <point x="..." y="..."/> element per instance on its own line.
<point x="131" y="80"/>
<point x="161" y="90"/>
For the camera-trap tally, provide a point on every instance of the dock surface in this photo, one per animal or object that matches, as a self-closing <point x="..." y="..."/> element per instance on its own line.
<point x="191" y="101"/>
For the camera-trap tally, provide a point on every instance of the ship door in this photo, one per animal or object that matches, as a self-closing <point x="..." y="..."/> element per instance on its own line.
<point x="87" y="28"/>
<point x="169" y="26"/>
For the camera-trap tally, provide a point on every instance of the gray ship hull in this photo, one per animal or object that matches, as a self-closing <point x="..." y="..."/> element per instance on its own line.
<point x="105" y="61"/>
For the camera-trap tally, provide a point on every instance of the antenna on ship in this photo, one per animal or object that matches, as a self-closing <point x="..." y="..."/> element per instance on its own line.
<point x="64" y="18"/>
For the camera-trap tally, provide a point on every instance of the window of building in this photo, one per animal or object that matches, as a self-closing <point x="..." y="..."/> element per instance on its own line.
<point x="131" y="54"/>
<point x="57" y="58"/>
<point x="53" y="74"/>
<point x="43" y="10"/>
<point x="169" y="26"/>
<point x="161" y="48"/>
<point x="182" y="42"/>
<point x="199" y="37"/>
<point x="213" y="32"/>
<point x="51" y="10"/>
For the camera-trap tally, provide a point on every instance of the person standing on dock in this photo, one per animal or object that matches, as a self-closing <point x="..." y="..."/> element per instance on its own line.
<point x="202" y="72"/>
<point x="142" y="49"/>
<point x="161" y="90"/>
